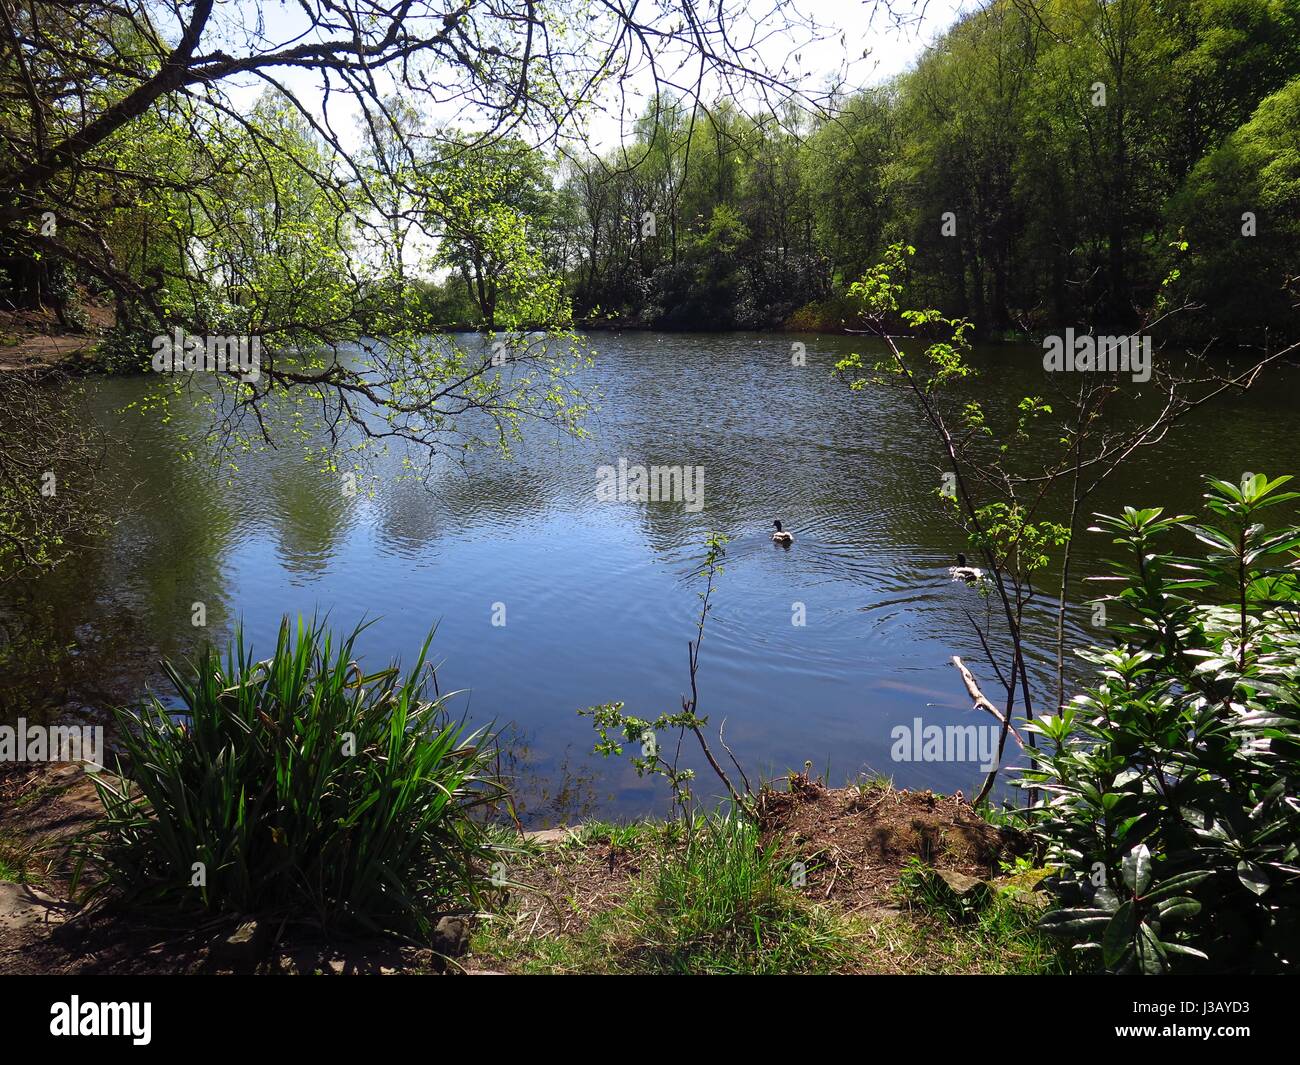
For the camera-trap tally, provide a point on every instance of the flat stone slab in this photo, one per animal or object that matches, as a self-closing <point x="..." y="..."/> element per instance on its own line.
<point x="960" y="883"/>
<point x="550" y="836"/>
<point x="22" y="905"/>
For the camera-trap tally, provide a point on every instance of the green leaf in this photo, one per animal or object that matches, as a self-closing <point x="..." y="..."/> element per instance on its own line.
<point x="1180" y="906"/>
<point x="1074" y="922"/>
<point x="1252" y="876"/>
<point x="1118" y="937"/>
<point x="1183" y="948"/>
<point x="1137" y="869"/>
<point x="1150" y="952"/>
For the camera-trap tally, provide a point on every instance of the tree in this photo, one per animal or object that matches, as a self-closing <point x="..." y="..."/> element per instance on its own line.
<point x="1240" y="213"/>
<point x="488" y="204"/>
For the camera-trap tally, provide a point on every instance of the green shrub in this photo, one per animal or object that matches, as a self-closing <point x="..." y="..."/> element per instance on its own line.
<point x="823" y="316"/>
<point x="127" y="346"/>
<point x="304" y="788"/>
<point x="1172" y="784"/>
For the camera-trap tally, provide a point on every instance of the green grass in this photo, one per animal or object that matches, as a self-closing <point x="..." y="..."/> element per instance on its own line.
<point x="17" y="862"/>
<point x="1002" y="942"/>
<point x="305" y="788"/>
<point x="711" y="899"/>
<point x="583" y="954"/>
<point x="634" y="837"/>
<point x="720" y="902"/>
<point x="871" y="781"/>
<point x="723" y="902"/>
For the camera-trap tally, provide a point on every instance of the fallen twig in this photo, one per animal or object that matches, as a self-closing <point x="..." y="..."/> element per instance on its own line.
<point x="981" y="703"/>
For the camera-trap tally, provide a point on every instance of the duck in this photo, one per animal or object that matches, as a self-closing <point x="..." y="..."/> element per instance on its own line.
<point x="963" y="572"/>
<point x="781" y="537"/>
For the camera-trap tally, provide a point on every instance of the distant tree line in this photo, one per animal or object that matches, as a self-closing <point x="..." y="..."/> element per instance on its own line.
<point x="1053" y="161"/>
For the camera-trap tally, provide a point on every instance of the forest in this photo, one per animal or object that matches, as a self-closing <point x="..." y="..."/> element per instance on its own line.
<point x="1049" y="161"/>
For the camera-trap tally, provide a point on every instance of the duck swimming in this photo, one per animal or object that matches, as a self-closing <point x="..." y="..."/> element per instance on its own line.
<point x="781" y="537"/>
<point x="963" y="572"/>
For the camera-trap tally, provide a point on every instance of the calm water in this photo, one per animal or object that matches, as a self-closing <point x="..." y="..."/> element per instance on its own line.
<point x="597" y="601"/>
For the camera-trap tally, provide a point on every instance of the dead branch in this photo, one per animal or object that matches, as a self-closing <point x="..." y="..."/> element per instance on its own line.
<point x="980" y="702"/>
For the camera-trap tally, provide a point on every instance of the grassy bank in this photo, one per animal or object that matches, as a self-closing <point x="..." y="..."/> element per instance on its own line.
<point x="828" y="881"/>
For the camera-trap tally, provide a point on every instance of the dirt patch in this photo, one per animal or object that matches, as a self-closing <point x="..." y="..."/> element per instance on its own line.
<point x="563" y="880"/>
<point x="25" y="905"/>
<point x="45" y="806"/>
<point x="118" y="944"/>
<point x="856" y="841"/>
<point x="34" y="340"/>
<point x="559" y="889"/>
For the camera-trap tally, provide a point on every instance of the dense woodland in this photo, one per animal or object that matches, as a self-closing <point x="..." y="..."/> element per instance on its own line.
<point x="1073" y="142"/>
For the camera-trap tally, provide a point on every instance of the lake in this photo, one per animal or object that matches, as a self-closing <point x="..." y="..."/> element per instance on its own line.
<point x="596" y="596"/>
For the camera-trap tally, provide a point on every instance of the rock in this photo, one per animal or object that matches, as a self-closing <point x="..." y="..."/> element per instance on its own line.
<point x="965" y="894"/>
<point x="451" y="937"/>
<point x="22" y="905"/>
<point x="548" y="836"/>
<point x="1024" y="882"/>
<point x="960" y="884"/>
<point x="243" y="948"/>
<point x="1030" y="899"/>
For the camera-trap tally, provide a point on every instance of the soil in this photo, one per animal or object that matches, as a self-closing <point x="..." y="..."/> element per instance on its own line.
<point x="560" y="890"/>
<point x="42" y="807"/>
<point x="35" y="340"/>
<point x="856" y="841"/>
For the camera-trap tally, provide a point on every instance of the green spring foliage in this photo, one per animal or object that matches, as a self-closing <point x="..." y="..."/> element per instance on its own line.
<point x="1171" y="784"/>
<point x="298" y="786"/>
